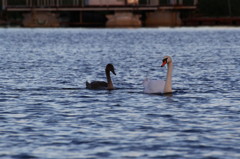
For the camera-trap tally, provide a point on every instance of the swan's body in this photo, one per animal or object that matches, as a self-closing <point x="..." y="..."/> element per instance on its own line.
<point x="160" y="86"/>
<point x="153" y="86"/>
<point x="102" y="84"/>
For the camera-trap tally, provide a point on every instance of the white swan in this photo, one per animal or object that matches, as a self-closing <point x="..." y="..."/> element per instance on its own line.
<point x="160" y="86"/>
<point x="102" y="84"/>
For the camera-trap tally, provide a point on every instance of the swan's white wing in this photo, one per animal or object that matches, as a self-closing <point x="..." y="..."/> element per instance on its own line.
<point x="153" y="86"/>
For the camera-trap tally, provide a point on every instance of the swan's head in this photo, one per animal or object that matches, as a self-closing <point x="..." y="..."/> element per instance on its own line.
<point x="166" y="60"/>
<point x="110" y="68"/>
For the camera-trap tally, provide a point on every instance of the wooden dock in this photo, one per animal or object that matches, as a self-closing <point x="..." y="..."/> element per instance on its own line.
<point x="212" y="21"/>
<point x="81" y="12"/>
<point x="80" y="5"/>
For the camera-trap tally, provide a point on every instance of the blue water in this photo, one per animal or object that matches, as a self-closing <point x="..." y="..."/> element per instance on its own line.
<point x="46" y="112"/>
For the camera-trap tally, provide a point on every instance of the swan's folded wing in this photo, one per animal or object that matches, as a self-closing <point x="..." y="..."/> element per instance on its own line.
<point x="96" y="85"/>
<point x="153" y="86"/>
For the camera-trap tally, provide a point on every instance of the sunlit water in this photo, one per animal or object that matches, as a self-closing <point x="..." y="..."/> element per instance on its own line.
<point x="46" y="112"/>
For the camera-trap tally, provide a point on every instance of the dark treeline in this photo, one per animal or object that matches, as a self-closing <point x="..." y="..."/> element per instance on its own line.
<point x="217" y="8"/>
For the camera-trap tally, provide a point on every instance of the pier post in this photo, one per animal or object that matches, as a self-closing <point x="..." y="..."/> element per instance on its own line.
<point x="57" y="3"/>
<point x="180" y="2"/>
<point x="4" y="4"/>
<point x="195" y="2"/>
<point x="52" y="3"/>
<point x="229" y="8"/>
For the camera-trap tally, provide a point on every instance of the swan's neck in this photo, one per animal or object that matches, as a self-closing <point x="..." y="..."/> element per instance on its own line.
<point x="109" y="80"/>
<point x="168" y="84"/>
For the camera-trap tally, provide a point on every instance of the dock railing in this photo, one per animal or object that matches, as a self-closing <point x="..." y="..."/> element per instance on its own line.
<point x="87" y="3"/>
<point x="42" y="3"/>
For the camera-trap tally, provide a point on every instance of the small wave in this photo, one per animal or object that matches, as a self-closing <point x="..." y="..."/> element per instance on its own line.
<point x="44" y="89"/>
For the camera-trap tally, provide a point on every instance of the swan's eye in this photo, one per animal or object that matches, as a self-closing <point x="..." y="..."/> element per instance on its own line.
<point x="164" y="60"/>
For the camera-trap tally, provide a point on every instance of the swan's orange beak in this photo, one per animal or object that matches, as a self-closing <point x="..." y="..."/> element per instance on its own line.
<point x="164" y="63"/>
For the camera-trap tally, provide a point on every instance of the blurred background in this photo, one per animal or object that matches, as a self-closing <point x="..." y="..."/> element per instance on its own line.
<point x="118" y="13"/>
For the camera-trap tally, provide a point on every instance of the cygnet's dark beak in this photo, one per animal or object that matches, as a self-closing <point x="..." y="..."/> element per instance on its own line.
<point x="113" y="72"/>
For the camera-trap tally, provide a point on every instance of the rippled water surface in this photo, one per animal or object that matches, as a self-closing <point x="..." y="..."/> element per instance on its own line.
<point x="46" y="112"/>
